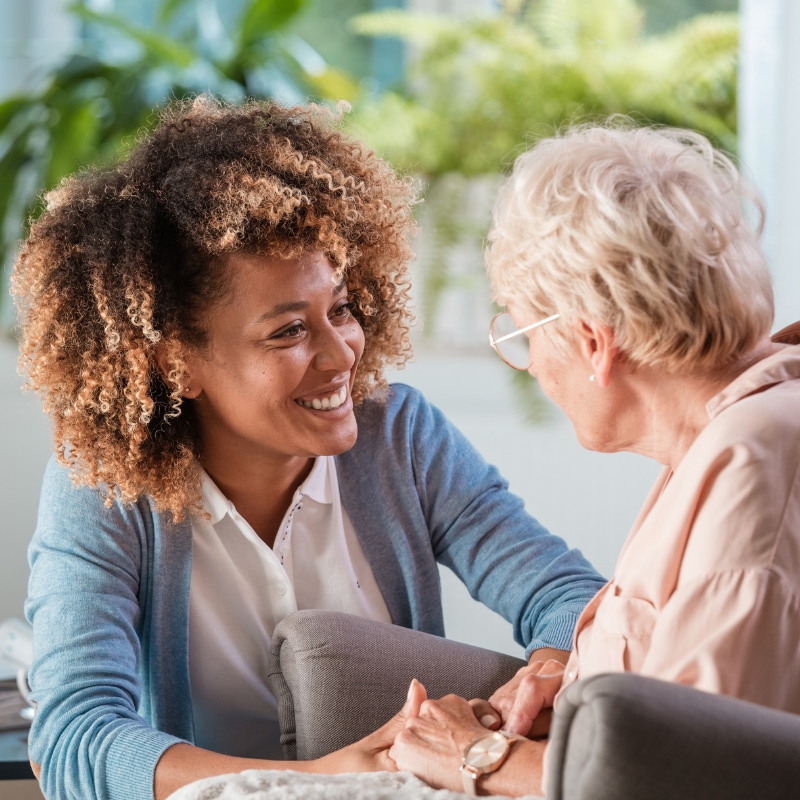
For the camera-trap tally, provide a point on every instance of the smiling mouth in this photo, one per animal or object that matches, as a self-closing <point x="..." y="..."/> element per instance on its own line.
<point x="327" y="402"/>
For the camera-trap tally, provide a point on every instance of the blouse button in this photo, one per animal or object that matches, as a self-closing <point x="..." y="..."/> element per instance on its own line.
<point x="572" y="674"/>
<point x="281" y="589"/>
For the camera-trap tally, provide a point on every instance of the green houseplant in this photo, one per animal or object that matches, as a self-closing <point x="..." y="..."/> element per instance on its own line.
<point x="95" y="102"/>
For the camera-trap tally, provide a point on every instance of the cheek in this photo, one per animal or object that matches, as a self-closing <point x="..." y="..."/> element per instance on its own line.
<point x="356" y="342"/>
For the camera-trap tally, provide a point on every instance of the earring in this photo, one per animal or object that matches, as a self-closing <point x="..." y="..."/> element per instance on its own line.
<point x="591" y="378"/>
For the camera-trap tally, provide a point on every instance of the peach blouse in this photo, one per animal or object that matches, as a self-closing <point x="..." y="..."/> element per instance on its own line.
<point x="706" y="591"/>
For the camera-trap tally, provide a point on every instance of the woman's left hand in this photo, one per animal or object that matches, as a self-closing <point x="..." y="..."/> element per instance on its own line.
<point x="432" y="744"/>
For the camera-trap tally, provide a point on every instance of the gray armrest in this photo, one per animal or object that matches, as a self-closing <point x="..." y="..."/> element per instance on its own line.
<point x="337" y="677"/>
<point x="625" y="737"/>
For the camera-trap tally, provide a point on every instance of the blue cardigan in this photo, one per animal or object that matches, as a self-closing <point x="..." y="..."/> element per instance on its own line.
<point x="109" y="589"/>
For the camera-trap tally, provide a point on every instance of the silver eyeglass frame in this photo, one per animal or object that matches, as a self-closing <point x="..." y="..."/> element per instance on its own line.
<point x="494" y="342"/>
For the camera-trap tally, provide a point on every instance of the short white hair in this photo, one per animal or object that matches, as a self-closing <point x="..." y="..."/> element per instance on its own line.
<point x="640" y="229"/>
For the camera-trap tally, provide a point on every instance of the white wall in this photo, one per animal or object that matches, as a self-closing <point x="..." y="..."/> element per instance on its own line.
<point x="769" y="121"/>
<point x="25" y="446"/>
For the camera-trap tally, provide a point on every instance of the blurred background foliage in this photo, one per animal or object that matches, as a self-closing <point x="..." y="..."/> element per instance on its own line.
<point x="480" y="89"/>
<point x="90" y="107"/>
<point x="450" y="99"/>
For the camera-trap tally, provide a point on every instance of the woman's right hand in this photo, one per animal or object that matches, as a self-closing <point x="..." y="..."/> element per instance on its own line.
<point x="519" y="704"/>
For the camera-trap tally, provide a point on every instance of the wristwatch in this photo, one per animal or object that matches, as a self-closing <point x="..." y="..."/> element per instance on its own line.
<point x="484" y="754"/>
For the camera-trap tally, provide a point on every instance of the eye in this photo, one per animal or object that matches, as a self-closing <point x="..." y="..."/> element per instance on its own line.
<point x="293" y="331"/>
<point x="343" y="311"/>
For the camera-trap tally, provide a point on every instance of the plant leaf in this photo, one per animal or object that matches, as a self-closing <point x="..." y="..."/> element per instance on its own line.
<point x="169" y="8"/>
<point x="9" y="109"/>
<point x="401" y="24"/>
<point x="73" y="138"/>
<point x="334" y="84"/>
<point x="262" y="18"/>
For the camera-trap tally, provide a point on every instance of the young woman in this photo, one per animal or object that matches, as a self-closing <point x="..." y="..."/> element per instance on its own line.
<point x="208" y="323"/>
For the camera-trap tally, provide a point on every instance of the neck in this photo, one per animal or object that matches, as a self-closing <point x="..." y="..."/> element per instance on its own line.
<point x="261" y="485"/>
<point x="669" y="411"/>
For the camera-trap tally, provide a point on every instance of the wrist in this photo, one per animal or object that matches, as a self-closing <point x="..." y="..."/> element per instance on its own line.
<point x="520" y="774"/>
<point x="549" y="654"/>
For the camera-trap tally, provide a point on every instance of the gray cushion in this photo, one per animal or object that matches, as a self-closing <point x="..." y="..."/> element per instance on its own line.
<point x="337" y="677"/>
<point x="626" y="737"/>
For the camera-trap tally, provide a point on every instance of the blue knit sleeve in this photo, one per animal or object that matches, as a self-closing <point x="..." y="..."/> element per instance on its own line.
<point x="481" y="531"/>
<point x="83" y="602"/>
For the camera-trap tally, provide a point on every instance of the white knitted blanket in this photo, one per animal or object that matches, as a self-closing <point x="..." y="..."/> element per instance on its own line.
<point x="257" y="784"/>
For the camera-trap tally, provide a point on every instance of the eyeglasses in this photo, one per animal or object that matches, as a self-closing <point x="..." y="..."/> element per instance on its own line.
<point x="504" y="337"/>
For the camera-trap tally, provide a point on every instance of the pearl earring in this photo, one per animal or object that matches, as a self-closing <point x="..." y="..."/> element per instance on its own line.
<point x="591" y="378"/>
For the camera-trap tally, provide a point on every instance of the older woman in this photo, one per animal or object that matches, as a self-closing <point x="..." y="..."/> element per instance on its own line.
<point x="208" y="322"/>
<point x="637" y="285"/>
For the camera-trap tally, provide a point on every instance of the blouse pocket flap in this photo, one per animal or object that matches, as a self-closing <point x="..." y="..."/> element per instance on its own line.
<point x="630" y="617"/>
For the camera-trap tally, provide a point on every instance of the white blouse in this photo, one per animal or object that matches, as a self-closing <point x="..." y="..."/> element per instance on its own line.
<point x="241" y="589"/>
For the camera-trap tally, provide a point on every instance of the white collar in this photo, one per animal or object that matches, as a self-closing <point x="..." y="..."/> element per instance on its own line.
<point x="316" y="486"/>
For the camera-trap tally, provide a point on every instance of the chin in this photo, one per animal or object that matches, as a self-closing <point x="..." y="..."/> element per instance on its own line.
<point x="595" y="443"/>
<point x="337" y="442"/>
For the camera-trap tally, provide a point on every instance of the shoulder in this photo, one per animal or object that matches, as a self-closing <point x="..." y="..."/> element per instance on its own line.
<point x="743" y="470"/>
<point x="397" y="412"/>
<point x="757" y="437"/>
<point x="766" y="423"/>
<point x="77" y="519"/>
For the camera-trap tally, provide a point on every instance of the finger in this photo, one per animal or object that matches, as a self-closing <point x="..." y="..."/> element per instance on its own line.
<point x="417" y="695"/>
<point x="527" y="704"/>
<point x="450" y="705"/>
<point x="485" y="714"/>
<point x="535" y="693"/>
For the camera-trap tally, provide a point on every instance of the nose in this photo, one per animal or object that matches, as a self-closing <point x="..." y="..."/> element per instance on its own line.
<point x="334" y="351"/>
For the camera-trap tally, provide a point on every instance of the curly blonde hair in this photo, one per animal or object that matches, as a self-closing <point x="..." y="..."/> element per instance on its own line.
<point x="640" y="229"/>
<point x="125" y="257"/>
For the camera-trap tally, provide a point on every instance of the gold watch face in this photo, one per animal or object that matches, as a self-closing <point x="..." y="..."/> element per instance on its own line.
<point x="485" y="751"/>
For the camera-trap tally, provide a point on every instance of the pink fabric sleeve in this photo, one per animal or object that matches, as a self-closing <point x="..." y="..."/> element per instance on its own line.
<point x="735" y="632"/>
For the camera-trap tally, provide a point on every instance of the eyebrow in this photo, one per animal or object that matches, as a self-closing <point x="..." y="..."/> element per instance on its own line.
<point x="296" y="305"/>
<point x="283" y="308"/>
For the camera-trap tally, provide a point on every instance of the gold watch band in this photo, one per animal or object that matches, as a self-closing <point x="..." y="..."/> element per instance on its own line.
<point x="469" y="778"/>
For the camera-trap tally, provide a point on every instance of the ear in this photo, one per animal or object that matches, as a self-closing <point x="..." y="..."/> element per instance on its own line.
<point x="597" y="345"/>
<point x="165" y="351"/>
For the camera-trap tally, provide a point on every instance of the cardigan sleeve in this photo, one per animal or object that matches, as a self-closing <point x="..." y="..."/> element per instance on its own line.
<point x="83" y="603"/>
<point x="481" y="531"/>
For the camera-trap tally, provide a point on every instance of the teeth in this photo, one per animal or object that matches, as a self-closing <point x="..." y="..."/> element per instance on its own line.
<point x="326" y="403"/>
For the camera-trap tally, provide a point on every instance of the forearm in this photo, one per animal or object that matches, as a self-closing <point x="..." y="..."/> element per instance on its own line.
<point x="520" y="775"/>
<point x="182" y="764"/>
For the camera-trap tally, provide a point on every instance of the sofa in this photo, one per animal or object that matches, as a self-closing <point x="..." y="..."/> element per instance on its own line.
<point x="614" y="737"/>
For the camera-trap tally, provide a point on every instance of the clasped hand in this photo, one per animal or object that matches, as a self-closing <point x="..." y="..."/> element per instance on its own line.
<point x="436" y="732"/>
